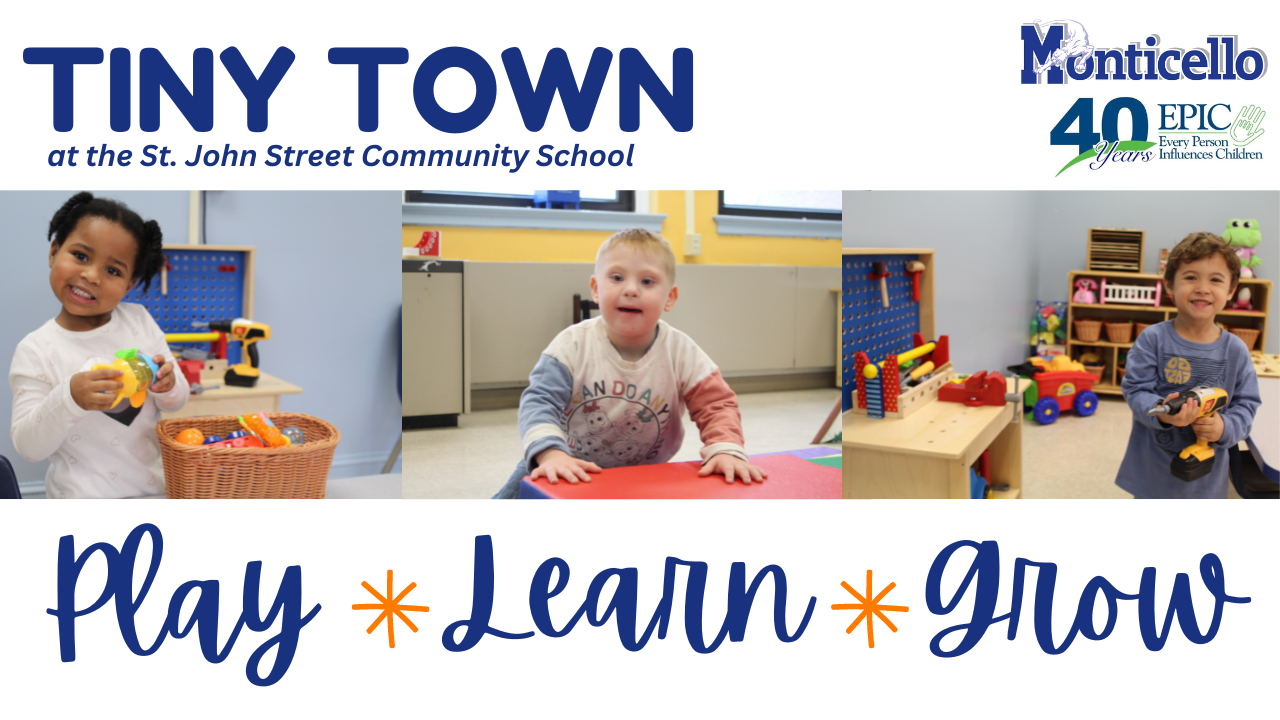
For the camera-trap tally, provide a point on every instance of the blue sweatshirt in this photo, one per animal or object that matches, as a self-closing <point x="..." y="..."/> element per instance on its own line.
<point x="1163" y="362"/>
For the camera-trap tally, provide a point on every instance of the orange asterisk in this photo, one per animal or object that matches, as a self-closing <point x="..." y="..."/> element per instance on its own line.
<point x="390" y="606"/>
<point x="868" y="608"/>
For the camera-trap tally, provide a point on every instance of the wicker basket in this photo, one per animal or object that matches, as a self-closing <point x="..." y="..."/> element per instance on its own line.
<point x="298" y="471"/>
<point x="1096" y="370"/>
<point x="1120" y="332"/>
<point x="1088" y="330"/>
<point x="1139" y="327"/>
<point x="1248" y="335"/>
<point x="1120" y="375"/>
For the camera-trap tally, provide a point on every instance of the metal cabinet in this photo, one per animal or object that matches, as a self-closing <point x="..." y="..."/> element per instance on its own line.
<point x="434" y="350"/>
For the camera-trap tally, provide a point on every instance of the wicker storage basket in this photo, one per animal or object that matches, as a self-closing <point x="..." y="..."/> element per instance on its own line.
<point x="1088" y="330"/>
<point x="1120" y="332"/>
<point x="1096" y="370"/>
<point x="1248" y="335"/>
<point x="297" y="471"/>
<point x="1139" y="327"/>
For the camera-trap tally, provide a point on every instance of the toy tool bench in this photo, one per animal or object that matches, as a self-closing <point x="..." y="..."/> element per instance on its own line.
<point x="913" y="428"/>
<point x="207" y="283"/>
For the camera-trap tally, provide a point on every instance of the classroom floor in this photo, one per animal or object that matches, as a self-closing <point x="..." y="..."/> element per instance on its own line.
<point x="1078" y="457"/>
<point x="474" y="459"/>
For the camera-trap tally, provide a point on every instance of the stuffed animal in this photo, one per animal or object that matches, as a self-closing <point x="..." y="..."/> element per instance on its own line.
<point x="1244" y="236"/>
<point x="1243" y="299"/>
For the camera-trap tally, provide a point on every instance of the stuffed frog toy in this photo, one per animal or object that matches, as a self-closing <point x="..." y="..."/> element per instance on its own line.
<point x="1244" y="236"/>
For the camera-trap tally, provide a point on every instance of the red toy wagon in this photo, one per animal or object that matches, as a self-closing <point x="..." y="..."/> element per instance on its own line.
<point x="1063" y="385"/>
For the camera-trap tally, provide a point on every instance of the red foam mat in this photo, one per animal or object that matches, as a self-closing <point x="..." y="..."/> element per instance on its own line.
<point x="789" y="478"/>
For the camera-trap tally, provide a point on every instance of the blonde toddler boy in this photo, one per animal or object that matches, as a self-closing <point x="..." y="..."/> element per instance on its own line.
<point x="612" y="390"/>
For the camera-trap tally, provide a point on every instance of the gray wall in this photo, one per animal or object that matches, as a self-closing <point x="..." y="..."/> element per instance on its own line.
<point x="984" y="279"/>
<point x="323" y="283"/>
<point x="999" y="252"/>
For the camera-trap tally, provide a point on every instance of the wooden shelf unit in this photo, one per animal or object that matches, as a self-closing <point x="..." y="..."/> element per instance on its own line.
<point x="1114" y="250"/>
<point x="1110" y="351"/>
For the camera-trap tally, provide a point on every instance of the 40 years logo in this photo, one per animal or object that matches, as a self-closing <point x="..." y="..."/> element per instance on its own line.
<point x="1186" y="132"/>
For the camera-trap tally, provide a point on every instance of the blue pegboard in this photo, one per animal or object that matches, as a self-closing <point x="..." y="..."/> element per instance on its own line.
<point x="200" y="288"/>
<point x="866" y="325"/>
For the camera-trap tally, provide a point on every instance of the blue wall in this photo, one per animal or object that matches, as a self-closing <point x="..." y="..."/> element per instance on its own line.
<point x="323" y="283"/>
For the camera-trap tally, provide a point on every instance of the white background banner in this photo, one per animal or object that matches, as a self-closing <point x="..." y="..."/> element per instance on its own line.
<point x="845" y="96"/>
<point x="339" y="668"/>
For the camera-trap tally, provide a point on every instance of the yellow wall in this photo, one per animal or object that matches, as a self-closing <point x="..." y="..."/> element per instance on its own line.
<point x="514" y="245"/>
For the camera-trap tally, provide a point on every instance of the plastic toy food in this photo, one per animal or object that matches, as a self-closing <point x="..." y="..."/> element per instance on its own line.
<point x="190" y="436"/>
<point x="295" y="435"/>
<point x="248" y="441"/>
<point x="138" y="374"/>
<point x="213" y="439"/>
<point x="261" y="426"/>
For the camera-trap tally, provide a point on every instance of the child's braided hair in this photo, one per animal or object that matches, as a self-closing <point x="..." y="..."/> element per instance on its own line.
<point x="147" y="234"/>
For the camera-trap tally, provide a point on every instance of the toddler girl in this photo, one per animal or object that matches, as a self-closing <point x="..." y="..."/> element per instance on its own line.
<point x="62" y="409"/>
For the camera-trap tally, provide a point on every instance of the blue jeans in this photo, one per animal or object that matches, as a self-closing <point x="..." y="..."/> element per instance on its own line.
<point x="511" y="490"/>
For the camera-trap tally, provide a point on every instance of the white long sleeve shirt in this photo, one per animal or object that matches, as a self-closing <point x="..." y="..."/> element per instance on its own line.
<point x="91" y="454"/>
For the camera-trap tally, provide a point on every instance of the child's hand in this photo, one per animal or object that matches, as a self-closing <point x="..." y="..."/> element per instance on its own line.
<point x="95" y="389"/>
<point x="731" y="467"/>
<point x="554" y="464"/>
<point x="1208" y="429"/>
<point x="165" y="379"/>
<point x="1184" y="417"/>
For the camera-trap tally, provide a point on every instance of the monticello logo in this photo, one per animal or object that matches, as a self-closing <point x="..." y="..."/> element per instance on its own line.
<point x="1055" y="50"/>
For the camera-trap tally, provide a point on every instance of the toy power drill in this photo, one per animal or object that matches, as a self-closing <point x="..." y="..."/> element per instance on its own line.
<point x="1195" y="461"/>
<point x="247" y="332"/>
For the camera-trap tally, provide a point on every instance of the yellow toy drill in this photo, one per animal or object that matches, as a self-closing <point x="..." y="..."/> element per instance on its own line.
<point x="1195" y="461"/>
<point x="247" y="332"/>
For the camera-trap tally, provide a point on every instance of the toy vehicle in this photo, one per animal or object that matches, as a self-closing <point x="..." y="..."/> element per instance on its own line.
<point x="1061" y="385"/>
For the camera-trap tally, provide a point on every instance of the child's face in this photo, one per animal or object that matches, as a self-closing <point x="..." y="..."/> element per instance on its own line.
<point x="93" y="269"/>
<point x="633" y="290"/>
<point x="1201" y="288"/>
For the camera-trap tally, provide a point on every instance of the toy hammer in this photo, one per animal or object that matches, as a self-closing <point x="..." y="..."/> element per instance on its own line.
<point x="880" y="271"/>
<point x="914" y="268"/>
